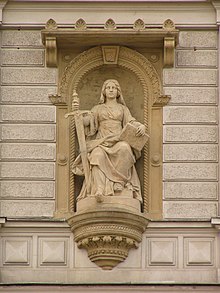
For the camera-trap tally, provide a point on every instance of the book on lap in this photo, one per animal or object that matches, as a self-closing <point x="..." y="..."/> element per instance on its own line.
<point x="128" y="134"/>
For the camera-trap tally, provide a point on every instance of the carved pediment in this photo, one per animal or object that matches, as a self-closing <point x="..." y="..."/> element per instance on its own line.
<point x="138" y="34"/>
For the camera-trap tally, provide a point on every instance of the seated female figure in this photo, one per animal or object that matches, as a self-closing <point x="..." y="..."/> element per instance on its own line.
<point x="111" y="160"/>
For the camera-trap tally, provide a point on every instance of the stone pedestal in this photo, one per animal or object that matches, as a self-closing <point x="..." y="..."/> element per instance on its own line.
<point x="123" y="201"/>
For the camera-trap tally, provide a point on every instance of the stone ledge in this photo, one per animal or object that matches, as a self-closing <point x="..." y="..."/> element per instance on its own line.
<point x="156" y="287"/>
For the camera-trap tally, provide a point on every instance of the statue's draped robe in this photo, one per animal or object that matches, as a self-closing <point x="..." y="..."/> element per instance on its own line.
<point x="111" y="160"/>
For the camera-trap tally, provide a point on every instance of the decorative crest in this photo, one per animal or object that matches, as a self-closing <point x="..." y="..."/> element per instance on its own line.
<point x="169" y="25"/>
<point x="51" y="24"/>
<point x="110" y="54"/>
<point x="80" y="24"/>
<point x="110" y="24"/>
<point x="139" y="25"/>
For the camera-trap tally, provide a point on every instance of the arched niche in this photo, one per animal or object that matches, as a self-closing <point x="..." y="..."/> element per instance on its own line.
<point x="110" y="58"/>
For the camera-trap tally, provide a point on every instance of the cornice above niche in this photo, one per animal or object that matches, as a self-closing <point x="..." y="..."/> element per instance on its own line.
<point x="138" y="34"/>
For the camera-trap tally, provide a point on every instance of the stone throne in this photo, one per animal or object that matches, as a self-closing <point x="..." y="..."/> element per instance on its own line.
<point x="108" y="229"/>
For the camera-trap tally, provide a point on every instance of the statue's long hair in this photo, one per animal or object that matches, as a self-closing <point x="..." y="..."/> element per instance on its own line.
<point x="119" y="97"/>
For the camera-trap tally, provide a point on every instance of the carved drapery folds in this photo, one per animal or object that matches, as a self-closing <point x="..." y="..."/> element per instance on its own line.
<point x="108" y="230"/>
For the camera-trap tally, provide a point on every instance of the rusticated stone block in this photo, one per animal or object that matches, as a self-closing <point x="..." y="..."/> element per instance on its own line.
<point x="22" y="57"/>
<point x="197" y="58"/>
<point x="191" y="133"/>
<point x="191" y="152"/>
<point x="24" y="76"/>
<point x="27" y="189"/>
<point x="190" y="171"/>
<point x="198" y="39"/>
<point x="30" y="132"/>
<point x="26" y="95"/>
<point x="14" y="151"/>
<point x="26" y="208"/>
<point x="191" y="190"/>
<point x="21" y="38"/>
<point x="28" y="113"/>
<point x="190" y="210"/>
<point x="190" y="77"/>
<point x="192" y="95"/>
<point x="27" y="170"/>
<point x="186" y="114"/>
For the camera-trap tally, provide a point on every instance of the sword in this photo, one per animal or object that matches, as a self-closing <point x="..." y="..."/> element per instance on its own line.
<point x="78" y="117"/>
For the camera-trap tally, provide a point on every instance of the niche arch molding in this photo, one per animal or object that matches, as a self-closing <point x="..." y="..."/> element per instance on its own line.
<point x="153" y="99"/>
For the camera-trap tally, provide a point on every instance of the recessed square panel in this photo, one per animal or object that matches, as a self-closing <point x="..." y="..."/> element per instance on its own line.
<point x="199" y="251"/>
<point x="161" y="251"/>
<point x="52" y="251"/>
<point x="16" y="251"/>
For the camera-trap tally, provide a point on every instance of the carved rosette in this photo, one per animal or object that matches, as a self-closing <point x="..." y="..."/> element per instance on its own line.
<point x="108" y="235"/>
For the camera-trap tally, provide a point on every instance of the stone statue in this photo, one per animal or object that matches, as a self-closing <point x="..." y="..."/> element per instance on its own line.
<point x="110" y="160"/>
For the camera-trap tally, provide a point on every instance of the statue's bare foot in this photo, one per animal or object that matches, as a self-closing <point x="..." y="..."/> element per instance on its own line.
<point x="99" y="197"/>
<point x="118" y="186"/>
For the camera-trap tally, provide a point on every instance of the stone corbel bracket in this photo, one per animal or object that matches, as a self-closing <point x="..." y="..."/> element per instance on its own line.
<point x="107" y="234"/>
<point x="169" y="43"/>
<point x="57" y="100"/>
<point x="51" y="44"/>
<point x="51" y="51"/>
<point x="161" y="101"/>
<point x="55" y="38"/>
<point x="169" y="52"/>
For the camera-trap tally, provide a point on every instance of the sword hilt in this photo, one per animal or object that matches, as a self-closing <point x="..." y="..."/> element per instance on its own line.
<point x="79" y="112"/>
<point x="75" y="112"/>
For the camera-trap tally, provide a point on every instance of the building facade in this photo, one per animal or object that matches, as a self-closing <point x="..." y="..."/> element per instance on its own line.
<point x="165" y="55"/>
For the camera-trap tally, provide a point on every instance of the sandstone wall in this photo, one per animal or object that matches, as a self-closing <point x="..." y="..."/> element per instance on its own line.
<point x="184" y="248"/>
<point x="28" y="127"/>
<point x="191" y="128"/>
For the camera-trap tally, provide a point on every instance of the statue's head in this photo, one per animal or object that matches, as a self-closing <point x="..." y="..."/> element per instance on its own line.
<point x="119" y="93"/>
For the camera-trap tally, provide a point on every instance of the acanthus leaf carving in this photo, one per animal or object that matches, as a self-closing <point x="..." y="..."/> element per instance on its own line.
<point x="80" y="24"/>
<point x="51" y="24"/>
<point x="139" y="25"/>
<point x="168" y="25"/>
<point x="110" y="24"/>
<point x="110" y="245"/>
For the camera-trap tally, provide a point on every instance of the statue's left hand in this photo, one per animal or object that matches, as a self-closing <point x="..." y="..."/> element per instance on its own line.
<point x="140" y="130"/>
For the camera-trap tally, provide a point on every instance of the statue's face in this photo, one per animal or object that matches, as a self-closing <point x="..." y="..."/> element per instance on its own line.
<point x="111" y="91"/>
